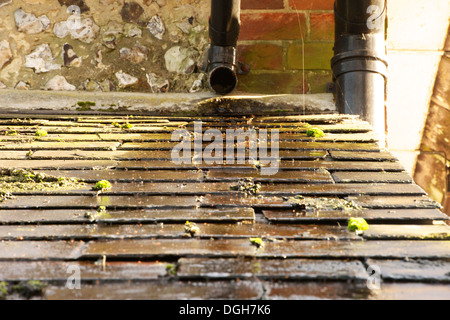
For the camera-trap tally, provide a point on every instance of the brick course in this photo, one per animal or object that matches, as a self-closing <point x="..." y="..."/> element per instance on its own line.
<point x="274" y="35"/>
<point x="262" y="4"/>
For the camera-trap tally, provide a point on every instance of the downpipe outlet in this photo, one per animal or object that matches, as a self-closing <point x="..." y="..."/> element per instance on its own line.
<point x="222" y="74"/>
<point x="224" y="28"/>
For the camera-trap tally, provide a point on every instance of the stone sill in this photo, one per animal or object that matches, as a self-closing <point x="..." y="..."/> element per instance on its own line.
<point x="175" y="104"/>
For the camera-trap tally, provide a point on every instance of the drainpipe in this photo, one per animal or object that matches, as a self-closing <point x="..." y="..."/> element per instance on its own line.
<point x="224" y="27"/>
<point x="359" y="64"/>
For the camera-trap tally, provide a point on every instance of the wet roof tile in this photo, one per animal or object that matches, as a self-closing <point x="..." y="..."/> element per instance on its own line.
<point x="247" y="226"/>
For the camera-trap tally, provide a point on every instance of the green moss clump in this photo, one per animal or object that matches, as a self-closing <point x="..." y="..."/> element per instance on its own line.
<point x="30" y="288"/>
<point x="101" y="213"/>
<point x="5" y="196"/>
<point x="171" y="269"/>
<point x="126" y="126"/>
<point x="3" y="290"/>
<point x="22" y="180"/>
<point x="357" y="225"/>
<point x="11" y="133"/>
<point x="315" y="132"/>
<point x="86" y="104"/>
<point x="191" y="228"/>
<point x="40" y="133"/>
<point x="247" y="185"/>
<point x="102" y="185"/>
<point x="258" y="242"/>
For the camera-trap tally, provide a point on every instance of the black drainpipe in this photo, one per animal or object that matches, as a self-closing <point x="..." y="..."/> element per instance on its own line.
<point x="359" y="64"/>
<point x="224" y="27"/>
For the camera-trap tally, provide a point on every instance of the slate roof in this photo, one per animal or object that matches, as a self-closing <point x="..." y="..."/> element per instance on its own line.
<point x="140" y="248"/>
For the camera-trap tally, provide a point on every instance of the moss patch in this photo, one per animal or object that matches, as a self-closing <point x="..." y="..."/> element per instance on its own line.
<point x="191" y="228"/>
<point x="257" y="242"/>
<point x="357" y="225"/>
<point x="247" y="185"/>
<point x="40" y="133"/>
<point x="102" y="185"/>
<point x="315" y="132"/>
<point x="22" y="290"/>
<point x="101" y="214"/>
<point x="313" y="204"/>
<point x="21" y="180"/>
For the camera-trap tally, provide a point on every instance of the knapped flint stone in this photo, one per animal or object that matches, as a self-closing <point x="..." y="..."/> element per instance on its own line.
<point x="157" y="84"/>
<point x="4" y="2"/>
<point x="59" y="83"/>
<point x="91" y="85"/>
<point x="180" y="60"/>
<point x="70" y="57"/>
<point x="125" y="80"/>
<point x="79" y="28"/>
<point x="41" y="59"/>
<point x="156" y="27"/>
<point x="137" y="54"/>
<point x="132" y="31"/>
<point x="29" y="23"/>
<point x="79" y="3"/>
<point x="5" y="53"/>
<point x="22" y="85"/>
<point x="131" y="12"/>
<point x="197" y="85"/>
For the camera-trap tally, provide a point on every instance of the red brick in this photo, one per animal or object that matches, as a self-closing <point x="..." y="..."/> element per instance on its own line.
<point x="318" y="80"/>
<point x="322" y="26"/>
<point x="262" y="56"/>
<point x="273" y="26"/>
<point x="312" y="4"/>
<point x="262" y="4"/>
<point x="317" y="56"/>
<point x="273" y="83"/>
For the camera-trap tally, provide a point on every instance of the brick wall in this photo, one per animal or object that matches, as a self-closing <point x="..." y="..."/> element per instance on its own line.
<point x="160" y="45"/>
<point x="288" y="44"/>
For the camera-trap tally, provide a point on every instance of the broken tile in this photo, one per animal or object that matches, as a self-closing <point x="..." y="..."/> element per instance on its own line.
<point x="40" y="250"/>
<point x="281" y="176"/>
<point x="363" y="156"/>
<point x="161" y="290"/>
<point x="408" y="232"/>
<point x="292" y="269"/>
<point x="143" y="216"/>
<point x="413" y="270"/>
<point x="417" y="216"/>
<point x="165" y="248"/>
<point x="58" y="271"/>
<point x="317" y="291"/>
<point x="372" y="177"/>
